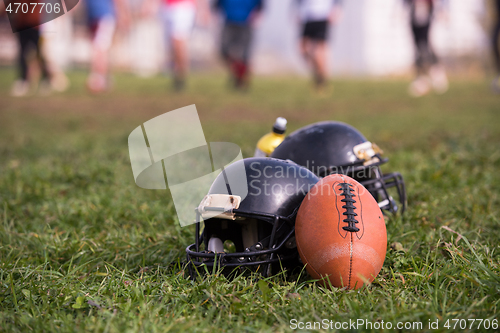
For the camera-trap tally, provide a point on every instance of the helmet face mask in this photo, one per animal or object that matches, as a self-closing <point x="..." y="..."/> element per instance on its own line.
<point x="256" y="243"/>
<point x="261" y="226"/>
<point x="378" y="184"/>
<point x="336" y="148"/>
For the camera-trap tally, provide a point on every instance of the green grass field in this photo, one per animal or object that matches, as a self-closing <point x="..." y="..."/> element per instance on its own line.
<point x="82" y="248"/>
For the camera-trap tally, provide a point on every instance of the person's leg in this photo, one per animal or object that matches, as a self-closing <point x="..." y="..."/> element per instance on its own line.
<point x="319" y="58"/>
<point x="180" y="21"/>
<point x="305" y="48"/>
<point x="420" y="85"/>
<point x="36" y="40"/>
<point x="58" y="79"/>
<point x="99" y="63"/>
<point x="103" y="33"/>
<point x="315" y="50"/>
<point x="495" y="44"/>
<point x="306" y="42"/>
<point x="180" y="61"/>
<point x="21" y="85"/>
<point x="436" y="71"/>
<point x="431" y="54"/>
<point x="420" y="41"/>
<point x="241" y="55"/>
<point x="24" y="41"/>
<point x="225" y="41"/>
<point x="233" y="44"/>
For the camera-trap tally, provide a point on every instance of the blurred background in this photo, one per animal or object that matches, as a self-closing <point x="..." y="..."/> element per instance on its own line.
<point x="371" y="38"/>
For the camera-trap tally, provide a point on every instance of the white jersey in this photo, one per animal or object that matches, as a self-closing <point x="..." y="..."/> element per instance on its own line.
<point x="315" y="10"/>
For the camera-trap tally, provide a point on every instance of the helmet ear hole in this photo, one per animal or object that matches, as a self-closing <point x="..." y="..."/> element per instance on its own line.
<point x="229" y="246"/>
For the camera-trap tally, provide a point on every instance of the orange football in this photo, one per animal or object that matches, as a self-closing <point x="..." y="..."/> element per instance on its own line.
<point x="340" y="233"/>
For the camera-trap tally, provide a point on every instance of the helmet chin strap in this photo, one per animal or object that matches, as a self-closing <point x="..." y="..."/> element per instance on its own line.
<point x="250" y="233"/>
<point x="388" y="204"/>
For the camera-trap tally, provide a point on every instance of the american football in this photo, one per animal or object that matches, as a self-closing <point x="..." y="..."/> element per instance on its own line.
<point x="340" y="233"/>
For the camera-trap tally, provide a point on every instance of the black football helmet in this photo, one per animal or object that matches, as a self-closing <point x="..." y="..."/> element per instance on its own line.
<point x="334" y="147"/>
<point x="259" y="222"/>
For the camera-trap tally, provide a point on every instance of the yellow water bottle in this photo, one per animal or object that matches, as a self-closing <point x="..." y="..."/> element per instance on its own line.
<point x="270" y="141"/>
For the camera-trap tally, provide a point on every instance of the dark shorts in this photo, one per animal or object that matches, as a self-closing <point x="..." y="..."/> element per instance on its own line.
<point x="315" y="30"/>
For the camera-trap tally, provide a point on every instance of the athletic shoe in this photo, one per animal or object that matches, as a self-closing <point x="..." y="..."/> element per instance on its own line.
<point x="419" y="87"/>
<point x="439" y="80"/>
<point x="59" y="82"/>
<point x="97" y="83"/>
<point x="179" y="84"/>
<point x="495" y="85"/>
<point x="20" y="88"/>
<point x="44" y="88"/>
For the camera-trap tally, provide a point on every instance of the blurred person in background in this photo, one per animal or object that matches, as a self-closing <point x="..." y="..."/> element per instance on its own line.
<point x="236" y="39"/>
<point x="430" y="74"/>
<point x="179" y="18"/>
<point x="316" y="16"/>
<point x="103" y="16"/>
<point x="496" y="47"/>
<point x="29" y="43"/>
